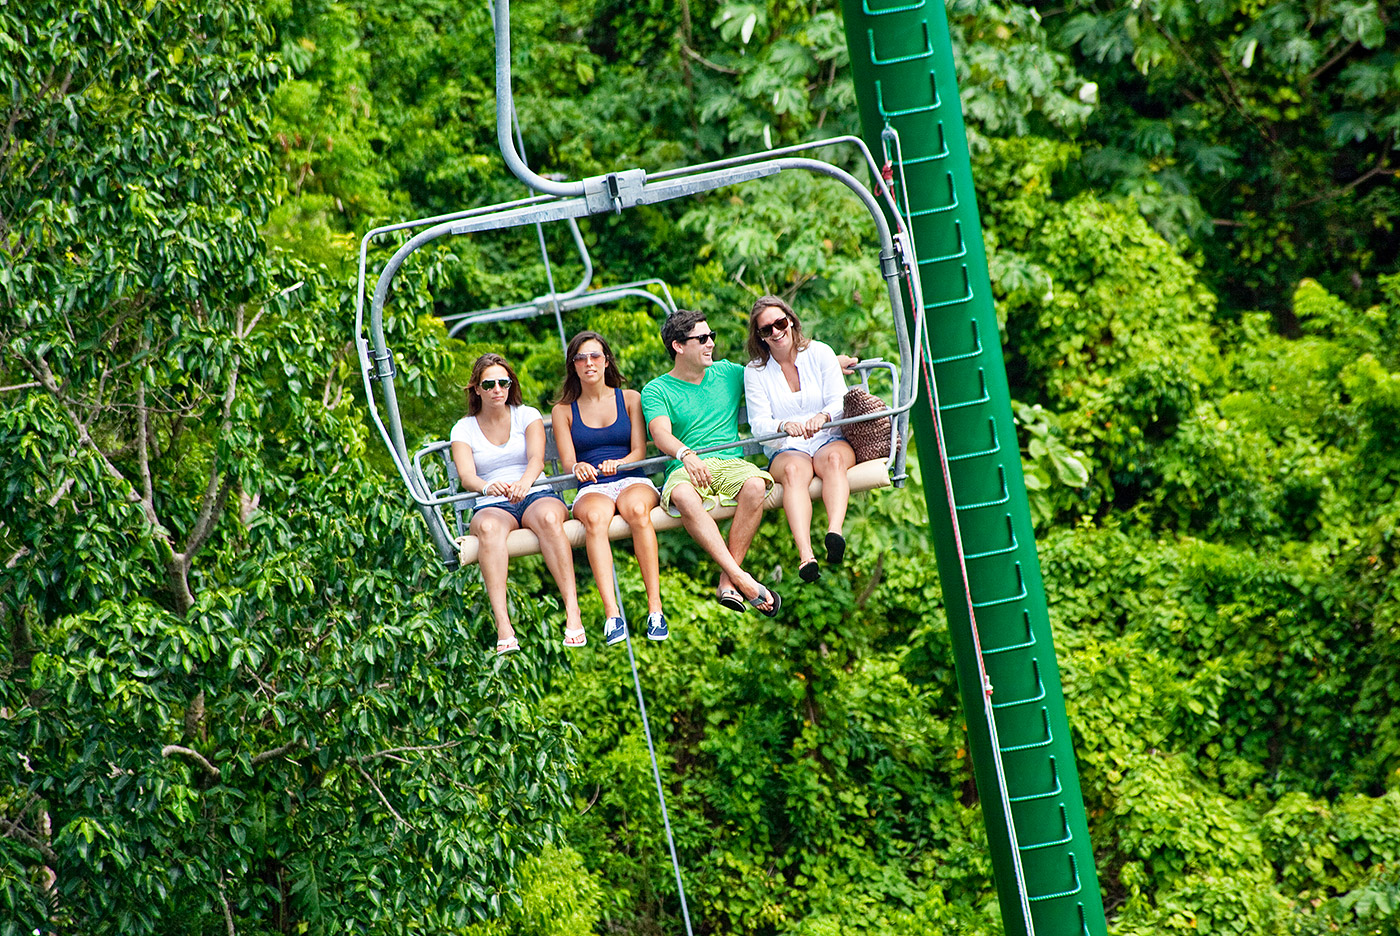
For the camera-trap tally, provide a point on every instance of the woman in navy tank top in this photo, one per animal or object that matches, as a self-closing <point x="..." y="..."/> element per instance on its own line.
<point x="599" y="430"/>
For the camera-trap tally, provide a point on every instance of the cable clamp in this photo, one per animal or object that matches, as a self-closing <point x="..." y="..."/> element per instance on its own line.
<point x="383" y="364"/>
<point x="614" y="191"/>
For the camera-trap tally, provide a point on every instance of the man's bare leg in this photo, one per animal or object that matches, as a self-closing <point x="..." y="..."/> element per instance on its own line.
<point x="703" y="529"/>
<point x="748" y="514"/>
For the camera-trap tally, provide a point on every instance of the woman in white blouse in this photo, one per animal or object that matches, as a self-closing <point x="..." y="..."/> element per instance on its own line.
<point x="498" y="448"/>
<point x="793" y="384"/>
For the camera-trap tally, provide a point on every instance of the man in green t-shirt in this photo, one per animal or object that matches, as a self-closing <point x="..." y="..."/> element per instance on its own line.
<point x="696" y="405"/>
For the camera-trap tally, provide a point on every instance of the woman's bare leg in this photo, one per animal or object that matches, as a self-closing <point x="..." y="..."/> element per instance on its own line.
<point x="831" y="464"/>
<point x="490" y="527"/>
<point x="595" y="512"/>
<point x="546" y="518"/>
<point x="794" y="471"/>
<point x="634" y="506"/>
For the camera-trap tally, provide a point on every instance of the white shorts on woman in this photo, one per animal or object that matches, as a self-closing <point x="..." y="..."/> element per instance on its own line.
<point x="613" y="489"/>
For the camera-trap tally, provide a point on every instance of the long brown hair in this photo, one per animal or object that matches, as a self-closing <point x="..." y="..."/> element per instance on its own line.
<point x="757" y="347"/>
<point x="513" y="396"/>
<point x="573" y="387"/>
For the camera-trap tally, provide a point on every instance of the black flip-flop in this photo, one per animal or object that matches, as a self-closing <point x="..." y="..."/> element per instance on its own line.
<point x="809" y="571"/>
<point x="733" y="599"/>
<point x="835" y="548"/>
<point x="775" y="598"/>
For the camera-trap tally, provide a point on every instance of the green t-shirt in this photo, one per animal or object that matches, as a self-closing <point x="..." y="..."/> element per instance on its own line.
<point x="701" y="414"/>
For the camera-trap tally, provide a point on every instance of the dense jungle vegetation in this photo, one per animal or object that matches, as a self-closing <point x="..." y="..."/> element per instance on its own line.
<point x="238" y="694"/>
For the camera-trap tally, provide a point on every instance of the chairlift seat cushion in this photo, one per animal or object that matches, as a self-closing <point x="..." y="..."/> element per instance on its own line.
<point x="866" y="476"/>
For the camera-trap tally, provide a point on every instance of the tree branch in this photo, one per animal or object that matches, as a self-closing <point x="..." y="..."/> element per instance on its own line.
<point x="21" y="386"/>
<point x="228" y="910"/>
<point x="1333" y="60"/>
<point x="277" y="752"/>
<point x="193" y="755"/>
<point x="407" y="750"/>
<point x="707" y="63"/>
<point x="15" y="831"/>
<point x="1338" y="192"/>
<point x="143" y="436"/>
<point x="211" y="505"/>
<point x="382" y="798"/>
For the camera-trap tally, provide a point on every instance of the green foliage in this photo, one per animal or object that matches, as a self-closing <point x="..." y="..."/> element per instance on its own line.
<point x="1263" y="132"/>
<point x="224" y="637"/>
<point x="237" y="686"/>
<point x="558" y="897"/>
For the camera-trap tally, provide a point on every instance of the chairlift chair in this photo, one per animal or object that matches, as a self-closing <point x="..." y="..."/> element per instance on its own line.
<point x="567" y="201"/>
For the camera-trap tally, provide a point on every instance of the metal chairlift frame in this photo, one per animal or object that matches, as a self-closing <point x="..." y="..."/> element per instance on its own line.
<point x="614" y="191"/>
<point x="578" y="297"/>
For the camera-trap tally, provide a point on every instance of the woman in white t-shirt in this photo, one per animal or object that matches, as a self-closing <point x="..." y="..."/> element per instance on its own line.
<point x="793" y="384"/>
<point x="498" y="448"/>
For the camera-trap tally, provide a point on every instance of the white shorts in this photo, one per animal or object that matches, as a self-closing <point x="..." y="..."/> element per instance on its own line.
<point x="807" y="447"/>
<point x="612" y="490"/>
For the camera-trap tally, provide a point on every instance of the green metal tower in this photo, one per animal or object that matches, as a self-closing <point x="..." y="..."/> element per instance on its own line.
<point x="902" y="63"/>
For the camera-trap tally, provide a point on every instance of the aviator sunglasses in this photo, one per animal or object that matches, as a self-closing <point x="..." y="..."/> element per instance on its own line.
<point x="503" y="383"/>
<point x="781" y="325"/>
<point x="583" y="357"/>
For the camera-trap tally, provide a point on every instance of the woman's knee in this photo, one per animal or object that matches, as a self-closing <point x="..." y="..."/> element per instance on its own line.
<point x="834" y="458"/>
<point x="595" y="516"/>
<point x="796" y="471"/>
<point x="546" y="517"/>
<point x="637" y="513"/>
<point x="490" y="529"/>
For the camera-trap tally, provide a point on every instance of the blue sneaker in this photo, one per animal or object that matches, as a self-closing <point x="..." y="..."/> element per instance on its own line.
<point x="656" y="626"/>
<point x="614" y="630"/>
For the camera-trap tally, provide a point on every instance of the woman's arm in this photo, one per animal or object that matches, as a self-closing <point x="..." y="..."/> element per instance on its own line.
<point x="762" y="422"/>
<point x="466" y="469"/>
<point x="832" y="381"/>
<point x="633" y="400"/>
<point x="562" y="418"/>
<point x="534" y="452"/>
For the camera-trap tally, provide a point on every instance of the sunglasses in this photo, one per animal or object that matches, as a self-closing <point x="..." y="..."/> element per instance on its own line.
<point x="503" y="383"/>
<point x="781" y="325"/>
<point x="583" y="357"/>
<point x="706" y="338"/>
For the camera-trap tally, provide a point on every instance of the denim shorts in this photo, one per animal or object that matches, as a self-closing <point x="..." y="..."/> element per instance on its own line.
<point x="518" y="510"/>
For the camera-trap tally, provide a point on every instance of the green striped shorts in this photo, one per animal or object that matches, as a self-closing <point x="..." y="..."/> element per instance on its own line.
<point x="727" y="476"/>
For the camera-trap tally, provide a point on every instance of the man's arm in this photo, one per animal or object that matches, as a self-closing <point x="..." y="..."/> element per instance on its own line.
<point x="660" y="428"/>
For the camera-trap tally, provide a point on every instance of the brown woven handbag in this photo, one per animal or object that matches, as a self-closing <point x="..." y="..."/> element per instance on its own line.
<point x="870" y="439"/>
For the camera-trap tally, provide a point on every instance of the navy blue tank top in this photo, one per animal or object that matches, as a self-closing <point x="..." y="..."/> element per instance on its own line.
<point x="597" y="445"/>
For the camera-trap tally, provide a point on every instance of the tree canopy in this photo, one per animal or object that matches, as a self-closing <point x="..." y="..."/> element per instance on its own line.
<point x="238" y="694"/>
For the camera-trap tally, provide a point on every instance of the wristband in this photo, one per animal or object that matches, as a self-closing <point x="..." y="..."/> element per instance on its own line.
<point x="682" y="452"/>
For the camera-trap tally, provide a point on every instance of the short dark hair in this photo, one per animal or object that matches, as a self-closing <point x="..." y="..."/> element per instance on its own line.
<point x="677" y="327"/>
<point x="513" y="395"/>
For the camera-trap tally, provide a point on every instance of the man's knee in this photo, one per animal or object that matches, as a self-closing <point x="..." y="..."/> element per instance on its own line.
<point x="753" y="490"/>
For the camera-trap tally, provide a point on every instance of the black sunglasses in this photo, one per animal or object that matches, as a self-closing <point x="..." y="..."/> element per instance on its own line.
<point x="503" y="383"/>
<point x="766" y="331"/>
<point x="705" y="338"/>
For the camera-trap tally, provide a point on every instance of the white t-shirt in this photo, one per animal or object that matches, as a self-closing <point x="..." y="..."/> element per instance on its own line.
<point x="497" y="462"/>
<point x="771" y="402"/>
